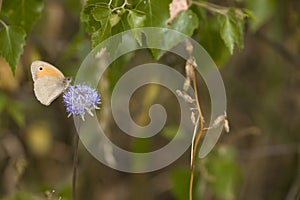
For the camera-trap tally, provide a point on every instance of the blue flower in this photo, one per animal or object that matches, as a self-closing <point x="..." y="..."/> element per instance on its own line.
<point x="80" y="99"/>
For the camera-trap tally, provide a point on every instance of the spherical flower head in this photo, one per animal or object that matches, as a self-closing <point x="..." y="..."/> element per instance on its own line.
<point x="80" y="99"/>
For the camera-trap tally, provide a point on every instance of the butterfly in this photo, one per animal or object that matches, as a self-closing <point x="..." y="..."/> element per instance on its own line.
<point x="49" y="82"/>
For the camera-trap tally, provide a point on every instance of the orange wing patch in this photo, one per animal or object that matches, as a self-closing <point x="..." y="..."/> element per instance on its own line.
<point x="48" y="71"/>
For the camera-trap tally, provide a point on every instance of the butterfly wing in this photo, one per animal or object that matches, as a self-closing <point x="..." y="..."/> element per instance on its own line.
<point x="41" y="68"/>
<point x="48" y="88"/>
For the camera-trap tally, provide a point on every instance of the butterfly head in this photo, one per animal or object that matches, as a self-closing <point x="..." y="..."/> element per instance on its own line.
<point x="67" y="81"/>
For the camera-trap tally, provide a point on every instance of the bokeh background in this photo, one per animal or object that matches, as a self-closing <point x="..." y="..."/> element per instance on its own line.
<point x="258" y="159"/>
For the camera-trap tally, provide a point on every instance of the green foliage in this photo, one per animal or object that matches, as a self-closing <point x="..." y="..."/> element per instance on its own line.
<point x="221" y="33"/>
<point x="208" y="35"/>
<point x="99" y="20"/>
<point x="103" y="20"/>
<point x="12" y="40"/>
<point x="22" y="13"/>
<point x="232" y="30"/>
<point x="136" y="20"/>
<point x="20" y="17"/>
<point x="186" y="22"/>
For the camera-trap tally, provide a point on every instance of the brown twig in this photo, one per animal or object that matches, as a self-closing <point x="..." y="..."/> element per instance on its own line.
<point x="75" y="165"/>
<point x="191" y="75"/>
<point x="197" y="139"/>
<point x="214" y="8"/>
<point x="211" y="7"/>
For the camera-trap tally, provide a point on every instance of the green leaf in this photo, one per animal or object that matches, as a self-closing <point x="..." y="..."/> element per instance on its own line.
<point x="103" y="21"/>
<point x="101" y="34"/>
<point x="232" y="30"/>
<point x="91" y="25"/>
<point x="209" y="37"/>
<point x="99" y="16"/>
<point x="100" y="13"/>
<point x="185" y="22"/>
<point x="23" y="13"/>
<point x="113" y="42"/>
<point x="157" y="15"/>
<point x="228" y="33"/>
<point x="114" y="19"/>
<point x="12" y="40"/>
<point x="157" y="12"/>
<point x="106" y="21"/>
<point x="87" y="15"/>
<point x="136" y="20"/>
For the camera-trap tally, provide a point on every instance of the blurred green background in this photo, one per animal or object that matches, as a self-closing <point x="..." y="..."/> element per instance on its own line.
<point x="258" y="159"/>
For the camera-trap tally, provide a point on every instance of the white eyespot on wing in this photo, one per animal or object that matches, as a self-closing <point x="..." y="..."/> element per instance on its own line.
<point x="48" y="88"/>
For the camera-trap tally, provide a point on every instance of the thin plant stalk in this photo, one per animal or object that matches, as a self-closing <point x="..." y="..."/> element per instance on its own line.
<point x="197" y="138"/>
<point x="75" y="165"/>
<point x="218" y="9"/>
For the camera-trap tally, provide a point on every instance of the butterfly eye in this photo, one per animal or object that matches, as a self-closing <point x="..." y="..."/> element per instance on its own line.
<point x="40" y="68"/>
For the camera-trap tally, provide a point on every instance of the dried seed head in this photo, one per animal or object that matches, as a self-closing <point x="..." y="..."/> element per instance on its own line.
<point x="189" y="70"/>
<point x="189" y="47"/>
<point x="176" y="7"/>
<point x="222" y="119"/>
<point x="187" y="98"/>
<point x="193" y="118"/>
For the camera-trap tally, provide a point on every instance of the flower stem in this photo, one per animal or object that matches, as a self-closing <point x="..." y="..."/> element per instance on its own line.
<point x="211" y="7"/>
<point x="75" y="165"/>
